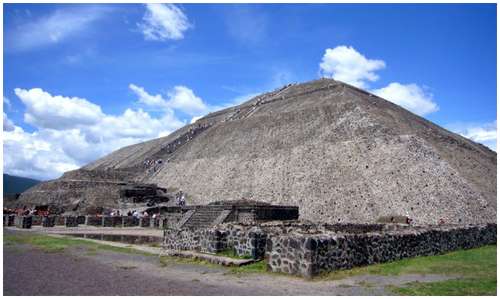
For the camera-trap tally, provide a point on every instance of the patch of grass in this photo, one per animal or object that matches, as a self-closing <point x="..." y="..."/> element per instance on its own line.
<point x="257" y="267"/>
<point x="230" y="252"/>
<point x="166" y="261"/>
<point x="470" y="262"/>
<point x="476" y="269"/>
<point x="57" y="244"/>
<point x="453" y="287"/>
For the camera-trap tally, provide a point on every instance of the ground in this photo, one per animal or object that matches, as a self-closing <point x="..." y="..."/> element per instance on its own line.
<point x="37" y="264"/>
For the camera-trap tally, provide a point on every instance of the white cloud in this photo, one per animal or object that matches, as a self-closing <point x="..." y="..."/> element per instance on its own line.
<point x="54" y="28"/>
<point x="485" y="133"/>
<point x="57" y="145"/>
<point x="348" y="65"/>
<point x="184" y="99"/>
<point x="163" y="22"/>
<point x="57" y="112"/>
<point x="146" y="98"/>
<point x="7" y="102"/>
<point x="8" y="125"/>
<point x="345" y="64"/>
<point x="180" y="98"/>
<point x="409" y="96"/>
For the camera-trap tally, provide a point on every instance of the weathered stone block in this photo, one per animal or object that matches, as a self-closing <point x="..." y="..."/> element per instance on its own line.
<point x="112" y="221"/>
<point x="70" y="221"/>
<point x="93" y="220"/>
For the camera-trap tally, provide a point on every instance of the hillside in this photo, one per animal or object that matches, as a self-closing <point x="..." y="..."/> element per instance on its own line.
<point x="339" y="153"/>
<point x="15" y="184"/>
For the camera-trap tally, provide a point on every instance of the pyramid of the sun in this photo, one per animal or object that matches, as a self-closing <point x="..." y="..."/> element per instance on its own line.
<point x="339" y="153"/>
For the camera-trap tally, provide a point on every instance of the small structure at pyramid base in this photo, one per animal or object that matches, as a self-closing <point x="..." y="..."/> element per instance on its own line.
<point x="306" y="248"/>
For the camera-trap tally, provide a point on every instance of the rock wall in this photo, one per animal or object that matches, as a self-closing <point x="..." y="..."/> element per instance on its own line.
<point x="308" y="249"/>
<point x="145" y="222"/>
<point x="93" y="220"/>
<point x="70" y="221"/>
<point x="129" y="221"/>
<point x="309" y="255"/>
<point x="112" y="221"/>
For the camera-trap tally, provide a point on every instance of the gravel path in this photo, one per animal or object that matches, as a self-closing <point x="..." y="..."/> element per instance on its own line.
<point x="77" y="271"/>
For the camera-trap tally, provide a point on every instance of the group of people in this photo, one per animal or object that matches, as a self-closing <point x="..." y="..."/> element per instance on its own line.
<point x="180" y="198"/>
<point x="152" y="164"/>
<point x="25" y="211"/>
<point x="134" y="213"/>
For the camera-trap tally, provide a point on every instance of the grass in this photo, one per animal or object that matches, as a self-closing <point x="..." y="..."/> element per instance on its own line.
<point x="166" y="261"/>
<point x="257" y="267"/>
<point x="230" y="252"/>
<point x="476" y="269"/>
<point x="52" y="244"/>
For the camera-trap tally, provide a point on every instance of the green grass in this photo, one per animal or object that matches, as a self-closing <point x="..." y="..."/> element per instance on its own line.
<point x="166" y="261"/>
<point x="230" y="252"/>
<point x="257" y="267"/>
<point x="476" y="269"/>
<point x="57" y="244"/>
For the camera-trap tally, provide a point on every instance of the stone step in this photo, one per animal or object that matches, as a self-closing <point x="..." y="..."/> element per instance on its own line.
<point x="221" y="260"/>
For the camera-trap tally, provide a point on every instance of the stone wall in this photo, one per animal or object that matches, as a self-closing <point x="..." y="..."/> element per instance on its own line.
<point x="94" y="220"/>
<point x="246" y="241"/>
<point x="112" y="221"/>
<point x="145" y="222"/>
<point x="80" y="219"/>
<point x="60" y="220"/>
<point x="308" y="255"/>
<point x="129" y="221"/>
<point x="70" y="221"/>
<point x="186" y="239"/>
<point x="307" y="249"/>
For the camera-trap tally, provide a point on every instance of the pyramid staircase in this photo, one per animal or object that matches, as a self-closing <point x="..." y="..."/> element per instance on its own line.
<point x="204" y="217"/>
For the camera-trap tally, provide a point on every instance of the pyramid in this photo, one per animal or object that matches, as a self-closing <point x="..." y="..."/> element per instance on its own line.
<point x="339" y="153"/>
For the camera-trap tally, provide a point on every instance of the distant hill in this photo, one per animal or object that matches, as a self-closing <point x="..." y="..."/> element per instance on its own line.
<point x="15" y="184"/>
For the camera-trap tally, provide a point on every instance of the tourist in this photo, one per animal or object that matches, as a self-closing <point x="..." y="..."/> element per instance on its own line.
<point x="145" y="214"/>
<point x="135" y="214"/>
<point x="129" y="213"/>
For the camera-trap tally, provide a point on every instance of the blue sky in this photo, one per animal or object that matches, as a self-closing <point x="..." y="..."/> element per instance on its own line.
<point x="83" y="80"/>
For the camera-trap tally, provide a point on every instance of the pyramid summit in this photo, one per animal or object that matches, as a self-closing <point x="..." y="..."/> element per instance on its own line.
<point x="339" y="153"/>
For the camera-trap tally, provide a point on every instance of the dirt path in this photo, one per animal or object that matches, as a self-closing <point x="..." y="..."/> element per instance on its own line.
<point x="30" y="271"/>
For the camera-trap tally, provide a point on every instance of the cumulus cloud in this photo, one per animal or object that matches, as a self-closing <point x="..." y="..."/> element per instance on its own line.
<point x="44" y="110"/>
<point x="57" y="145"/>
<point x="180" y="98"/>
<point x="485" y="133"/>
<point x="7" y="102"/>
<point x="409" y="96"/>
<point x="345" y="64"/>
<point x="163" y="22"/>
<point x="146" y="98"/>
<point x="54" y="28"/>
<point x="184" y="99"/>
<point x="8" y="125"/>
